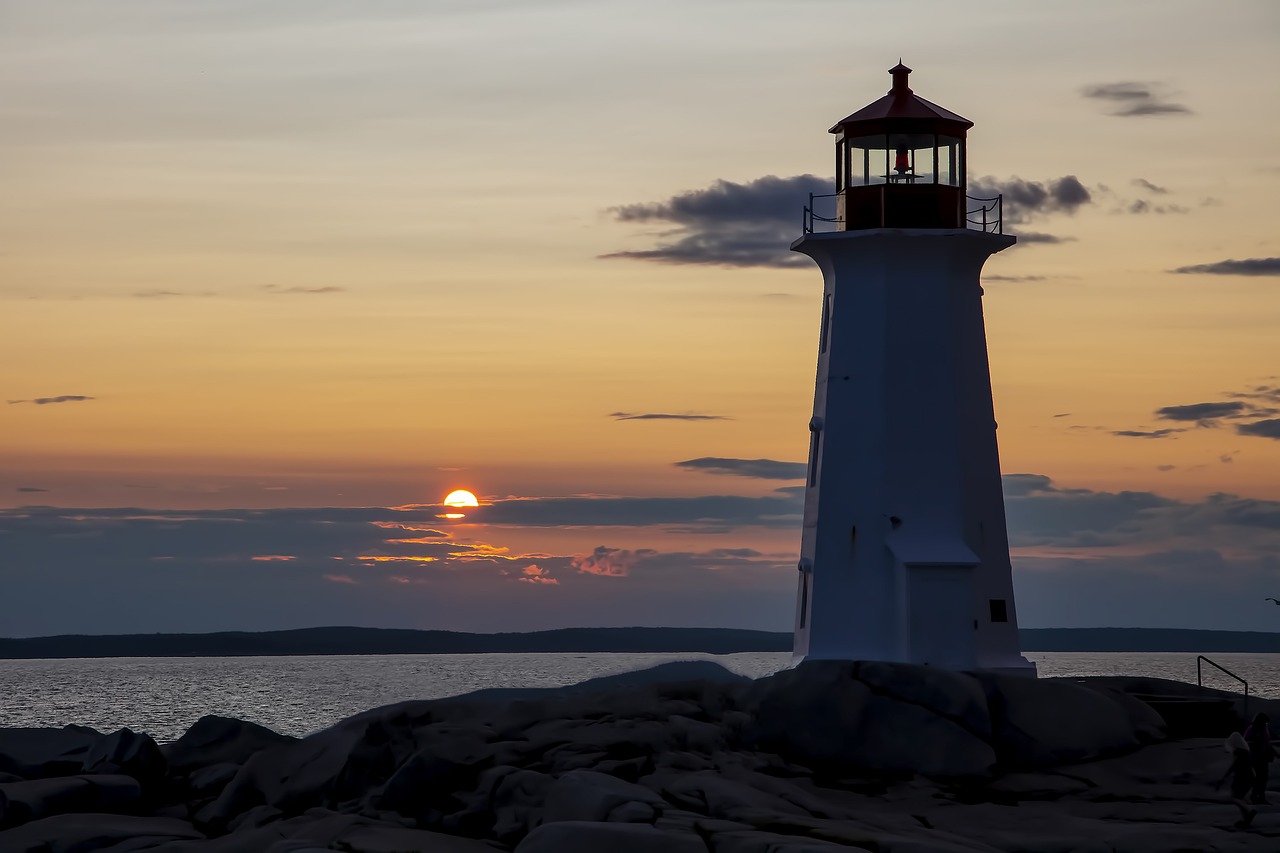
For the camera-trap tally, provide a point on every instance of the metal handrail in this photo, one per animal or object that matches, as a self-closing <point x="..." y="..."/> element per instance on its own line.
<point x="1200" y="677"/>
<point x="994" y="225"/>
<point x="810" y="216"/>
<point x="977" y="217"/>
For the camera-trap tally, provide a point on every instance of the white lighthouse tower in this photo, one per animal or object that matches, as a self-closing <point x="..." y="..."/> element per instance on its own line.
<point x="904" y="555"/>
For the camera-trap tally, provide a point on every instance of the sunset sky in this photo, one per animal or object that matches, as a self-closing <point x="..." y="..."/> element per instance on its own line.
<point x="278" y="275"/>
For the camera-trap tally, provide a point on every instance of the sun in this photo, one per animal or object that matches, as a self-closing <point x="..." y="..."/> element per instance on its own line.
<point x="461" y="498"/>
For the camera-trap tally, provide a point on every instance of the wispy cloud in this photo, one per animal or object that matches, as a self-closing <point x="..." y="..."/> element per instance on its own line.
<point x="1244" y="266"/>
<point x="662" y="416"/>
<point x="275" y="288"/>
<point x="64" y="398"/>
<point x="30" y="489"/>
<point x="763" y="469"/>
<point x="1137" y="433"/>
<point x="1130" y="99"/>
<point x="1149" y="187"/>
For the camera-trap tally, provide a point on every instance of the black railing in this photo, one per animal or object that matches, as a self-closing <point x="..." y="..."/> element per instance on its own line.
<point x="1200" y="677"/>
<point x="987" y="215"/>
<point x="810" y="216"/>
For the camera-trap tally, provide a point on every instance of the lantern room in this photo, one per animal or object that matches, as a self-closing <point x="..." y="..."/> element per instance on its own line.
<point x="900" y="163"/>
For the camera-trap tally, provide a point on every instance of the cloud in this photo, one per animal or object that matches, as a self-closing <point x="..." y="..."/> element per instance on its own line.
<point x="1137" y="433"/>
<point x="659" y="416"/>
<point x="1244" y="266"/>
<point x="536" y="574"/>
<point x="275" y="288"/>
<point x="245" y="569"/>
<point x="65" y="398"/>
<point x="612" y="562"/>
<point x="1149" y="187"/>
<point x="1261" y="429"/>
<point x="1140" y="206"/>
<point x="1025" y="237"/>
<point x="1027" y="200"/>
<point x="1202" y="413"/>
<point x="1013" y="277"/>
<point x="727" y="224"/>
<point x="1135" y="99"/>
<point x="30" y="489"/>
<point x="166" y="570"/>
<point x="764" y="469"/>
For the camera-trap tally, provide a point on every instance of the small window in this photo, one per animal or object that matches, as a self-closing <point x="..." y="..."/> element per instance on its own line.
<point x="815" y="442"/>
<point x="804" y="599"/>
<point x="826" y="324"/>
<point x="999" y="610"/>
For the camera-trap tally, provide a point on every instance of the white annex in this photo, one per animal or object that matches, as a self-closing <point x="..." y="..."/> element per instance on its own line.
<point x="904" y="556"/>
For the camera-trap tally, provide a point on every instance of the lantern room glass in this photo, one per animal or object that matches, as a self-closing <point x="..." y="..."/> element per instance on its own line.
<point x="899" y="158"/>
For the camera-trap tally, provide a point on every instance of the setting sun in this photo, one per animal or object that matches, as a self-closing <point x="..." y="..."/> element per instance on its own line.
<point x="461" y="497"/>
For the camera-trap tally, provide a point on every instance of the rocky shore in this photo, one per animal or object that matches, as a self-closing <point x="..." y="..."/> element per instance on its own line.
<point x="683" y="758"/>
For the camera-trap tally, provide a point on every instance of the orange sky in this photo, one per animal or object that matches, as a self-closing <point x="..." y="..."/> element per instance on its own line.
<point x="350" y="253"/>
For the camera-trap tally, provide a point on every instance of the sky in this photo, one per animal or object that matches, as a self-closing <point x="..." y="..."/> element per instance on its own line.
<point x="278" y="275"/>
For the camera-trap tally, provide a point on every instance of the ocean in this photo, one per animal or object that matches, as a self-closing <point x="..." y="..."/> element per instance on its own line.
<point x="299" y="695"/>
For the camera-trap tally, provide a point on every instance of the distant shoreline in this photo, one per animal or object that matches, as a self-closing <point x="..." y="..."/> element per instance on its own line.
<point x="392" y="641"/>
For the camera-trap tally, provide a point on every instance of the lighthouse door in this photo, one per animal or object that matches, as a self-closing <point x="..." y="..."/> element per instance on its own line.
<point x="940" y="614"/>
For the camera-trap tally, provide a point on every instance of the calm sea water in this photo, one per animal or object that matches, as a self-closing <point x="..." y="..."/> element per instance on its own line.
<point x="298" y="695"/>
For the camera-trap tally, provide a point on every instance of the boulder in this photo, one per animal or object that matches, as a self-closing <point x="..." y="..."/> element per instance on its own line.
<point x="216" y="740"/>
<point x="81" y="833"/>
<point x="337" y="764"/>
<point x="590" y="837"/>
<point x="902" y="719"/>
<point x="430" y="777"/>
<point x="507" y="803"/>
<point x="955" y="696"/>
<point x="1047" y="722"/>
<point x="128" y="753"/>
<point x="42" y="753"/>
<point x="583" y="795"/>
<point x="23" y="802"/>
<point x="209" y="781"/>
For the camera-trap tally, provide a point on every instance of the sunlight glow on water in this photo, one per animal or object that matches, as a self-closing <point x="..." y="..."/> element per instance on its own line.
<point x="298" y="695"/>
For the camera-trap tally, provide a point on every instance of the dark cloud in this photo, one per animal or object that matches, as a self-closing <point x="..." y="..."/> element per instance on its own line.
<point x="1184" y="588"/>
<point x="30" y="489"/>
<point x="1202" y="413"/>
<point x="64" y="398"/>
<point x="1149" y="187"/>
<point x="275" y="288"/>
<point x="728" y="224"/>
<point x="171" y="294"/>
<point x="764" y="469"/>
<point x="712" y="512"/>
<point x="1261" y="429"/>
<point x="1024" y="201"/>
<point x="69" y="570"/>
<point x="1135" y="99"/>
<point x="1140" y="206"/>
<point x="1025" y="237"/>
<point x="1244" y="266"/>
<point x="105" y="571"/>
<point x="660" y="416"/>
<point x="1013" y="277"/>
<point x="1155" y="433"/>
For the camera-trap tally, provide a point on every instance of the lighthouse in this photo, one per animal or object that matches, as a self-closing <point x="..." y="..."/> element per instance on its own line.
<point x="904" y="553"/>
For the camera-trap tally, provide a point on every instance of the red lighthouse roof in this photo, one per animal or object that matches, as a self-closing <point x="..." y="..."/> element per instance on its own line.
<point x="902" y="110"/>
